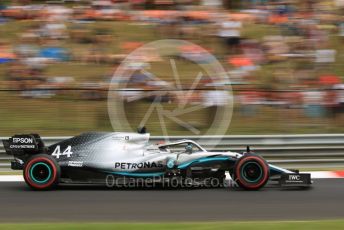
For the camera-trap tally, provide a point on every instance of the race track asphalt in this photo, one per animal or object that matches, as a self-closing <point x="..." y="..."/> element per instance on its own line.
<point x="82" y="203"/>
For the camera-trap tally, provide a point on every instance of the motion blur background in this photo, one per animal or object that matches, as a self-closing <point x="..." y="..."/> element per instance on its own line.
<point x="284" y="60"/>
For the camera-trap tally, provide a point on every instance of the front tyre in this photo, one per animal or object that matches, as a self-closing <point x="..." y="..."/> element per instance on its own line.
<point x="41" y="172"/>
<point x="251" y="172"/>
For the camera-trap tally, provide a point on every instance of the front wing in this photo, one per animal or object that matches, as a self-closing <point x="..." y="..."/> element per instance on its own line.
<point x="295" y="180"/>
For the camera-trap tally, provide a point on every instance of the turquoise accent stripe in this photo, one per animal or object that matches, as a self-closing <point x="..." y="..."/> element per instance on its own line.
<point x="275" y="170"/>
<point x="40" y="181"/>
<point x="202" y="160"/>
<point x="134" y="174"/>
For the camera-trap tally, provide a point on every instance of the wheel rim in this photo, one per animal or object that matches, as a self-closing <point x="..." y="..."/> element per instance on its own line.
<point x="40" y="172"/>
<point x="252" y="172"/>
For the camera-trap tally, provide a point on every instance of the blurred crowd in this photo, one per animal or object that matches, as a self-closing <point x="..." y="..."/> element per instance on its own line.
<point x="283" y="54"/>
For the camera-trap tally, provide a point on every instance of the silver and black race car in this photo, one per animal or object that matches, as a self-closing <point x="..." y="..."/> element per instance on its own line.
<point x="91" y="158"/>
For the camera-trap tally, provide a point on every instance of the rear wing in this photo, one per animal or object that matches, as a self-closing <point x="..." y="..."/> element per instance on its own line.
<point x="23" y="144"/>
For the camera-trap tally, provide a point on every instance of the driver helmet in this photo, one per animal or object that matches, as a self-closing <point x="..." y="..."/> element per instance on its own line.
<point x="189" y="147"/>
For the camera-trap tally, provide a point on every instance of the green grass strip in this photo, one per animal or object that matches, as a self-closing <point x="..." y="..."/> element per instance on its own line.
<point x="264" y="225"/>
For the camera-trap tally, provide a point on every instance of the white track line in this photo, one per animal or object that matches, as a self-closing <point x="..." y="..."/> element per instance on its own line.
<point x="11" y="178"/>
<point x="314" y="175"/>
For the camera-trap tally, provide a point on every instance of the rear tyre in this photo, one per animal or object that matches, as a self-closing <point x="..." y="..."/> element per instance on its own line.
<point x="251" y="172"/>
<point x="41" y="172"/>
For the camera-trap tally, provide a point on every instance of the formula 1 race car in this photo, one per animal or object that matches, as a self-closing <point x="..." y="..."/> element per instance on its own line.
<point x="91" y="157"/>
